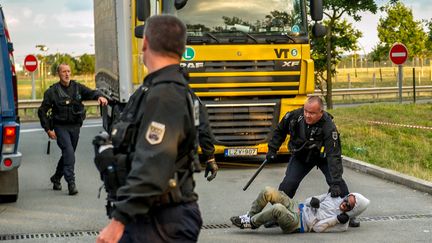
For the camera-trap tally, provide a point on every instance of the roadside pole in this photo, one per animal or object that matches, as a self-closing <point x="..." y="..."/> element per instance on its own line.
<point x="414" y="87"/>
<point x="33" y="86"/>
<point x="400" y="77"/>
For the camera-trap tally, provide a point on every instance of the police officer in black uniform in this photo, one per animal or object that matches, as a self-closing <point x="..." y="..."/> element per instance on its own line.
<point x="314" y="141"/>
<point x="205" y="139"/>
<point x="61" y="115"/>
<point x="158" y="202"/>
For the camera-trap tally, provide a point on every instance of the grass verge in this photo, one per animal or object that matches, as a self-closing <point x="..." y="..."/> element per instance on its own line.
<point x="394" y="145"/>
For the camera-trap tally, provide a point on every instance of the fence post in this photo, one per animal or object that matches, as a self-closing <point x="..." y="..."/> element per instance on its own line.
<point x="414" y="89"/>
<point x="380" y="74"/>
<point x="349" y="81"/>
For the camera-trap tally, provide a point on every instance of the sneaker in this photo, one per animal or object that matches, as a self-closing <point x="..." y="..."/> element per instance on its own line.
<point x="243" y="222"/>
<point x="72" y="189"/>
<point x="56" y="183"/>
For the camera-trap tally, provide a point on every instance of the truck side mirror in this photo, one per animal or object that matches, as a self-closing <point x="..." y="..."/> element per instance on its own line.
<point x="179" y="4"/>
<point x="142" y="9"/>
<point x="318" y="30"/>
<point x="139" y="31"/>
<point x="316" y="10"/>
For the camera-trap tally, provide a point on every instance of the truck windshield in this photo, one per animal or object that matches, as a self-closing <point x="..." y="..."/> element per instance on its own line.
<point x="254" y="20"/>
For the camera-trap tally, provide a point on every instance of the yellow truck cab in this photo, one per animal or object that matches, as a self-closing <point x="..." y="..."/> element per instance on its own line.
<point x="248" y="61"/>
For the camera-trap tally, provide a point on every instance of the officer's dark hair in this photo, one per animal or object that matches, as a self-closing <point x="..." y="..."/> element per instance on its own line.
<point x="317" y="99"/>
<point x="166" y="35"/>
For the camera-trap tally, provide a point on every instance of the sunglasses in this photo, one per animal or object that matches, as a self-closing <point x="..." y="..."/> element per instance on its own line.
<point x="346" y="203"/>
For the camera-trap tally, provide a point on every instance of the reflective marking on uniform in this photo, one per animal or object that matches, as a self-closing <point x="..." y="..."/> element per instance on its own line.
<point x="155" y="133"/>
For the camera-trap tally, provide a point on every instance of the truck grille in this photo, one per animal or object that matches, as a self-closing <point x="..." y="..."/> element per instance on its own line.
<point x="247" y="78"/>
<point x="235" y="124"/>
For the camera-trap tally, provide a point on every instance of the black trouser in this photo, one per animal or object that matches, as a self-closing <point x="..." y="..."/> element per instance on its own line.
<point x="67" y="140"/>
<point x="297" y="169"/>
<point x="180" y="223"/>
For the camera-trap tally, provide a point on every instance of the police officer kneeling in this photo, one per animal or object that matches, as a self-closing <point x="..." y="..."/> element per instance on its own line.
<point x="157" y="135"/>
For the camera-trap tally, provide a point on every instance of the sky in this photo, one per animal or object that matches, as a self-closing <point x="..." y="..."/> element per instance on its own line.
<point x="66" y="26"/>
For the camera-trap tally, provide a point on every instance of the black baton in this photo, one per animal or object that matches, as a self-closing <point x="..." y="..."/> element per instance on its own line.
<point x="255" y="175"/>
<point x="48" y="146"/>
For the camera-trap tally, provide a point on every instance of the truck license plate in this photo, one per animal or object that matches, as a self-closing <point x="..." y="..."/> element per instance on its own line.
<point x="235" y="152"/>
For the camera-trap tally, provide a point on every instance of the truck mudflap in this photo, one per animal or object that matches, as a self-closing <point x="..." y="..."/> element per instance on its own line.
<point x="10" y="161"/>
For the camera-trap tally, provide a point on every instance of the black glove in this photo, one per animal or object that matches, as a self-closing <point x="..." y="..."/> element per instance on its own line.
<point x="212" y="167"/>
<point x="104" y="159"/>
<point x="271" y="156"/>
<point x="343" y="218"/>
<point x="314" y="202"/>
<point x="335" y="190"/>
<point x="102" y="138"/>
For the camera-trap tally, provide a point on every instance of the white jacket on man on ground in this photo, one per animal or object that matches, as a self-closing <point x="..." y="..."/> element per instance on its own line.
<point x="324" y="218"/>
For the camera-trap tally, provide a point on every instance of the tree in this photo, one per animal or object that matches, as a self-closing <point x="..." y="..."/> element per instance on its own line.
<point x="334" y="10"/>
<point x="429" y="38"/>
<point x="344" y="39"/>
<point x="400" y="26"/>
<point x="64" y="58"/>
<point x="380" y="53"/>
<point x="86" y="64"/>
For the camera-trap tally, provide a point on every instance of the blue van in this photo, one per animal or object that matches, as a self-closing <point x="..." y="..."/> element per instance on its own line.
<point x="10" y="158"/>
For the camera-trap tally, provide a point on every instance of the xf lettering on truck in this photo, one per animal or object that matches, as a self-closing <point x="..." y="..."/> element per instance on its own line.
<point x="290" y="63"/>
<point x="280" y="52"/>
<point x="192" y="65"/>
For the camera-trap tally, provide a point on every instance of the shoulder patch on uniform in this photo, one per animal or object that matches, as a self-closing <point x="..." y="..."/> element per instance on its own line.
<point x="335" y="135"/>
<point x="155" y="133"/>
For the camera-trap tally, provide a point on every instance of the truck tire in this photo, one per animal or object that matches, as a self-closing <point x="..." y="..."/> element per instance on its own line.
<point x="8" y="198"/>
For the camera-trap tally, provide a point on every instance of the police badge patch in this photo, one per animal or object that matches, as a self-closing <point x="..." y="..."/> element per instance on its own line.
<point x="155" y="133"/>
<point x="335" y="135"/>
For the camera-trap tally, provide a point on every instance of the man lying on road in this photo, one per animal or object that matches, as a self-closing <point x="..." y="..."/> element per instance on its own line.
<point x="321" y="213"/>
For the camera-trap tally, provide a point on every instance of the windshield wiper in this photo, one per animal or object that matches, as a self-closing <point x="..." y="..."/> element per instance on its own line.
<point x="280" y="39"/>
<point x="212" y="36"/>
<point x="246" y="34"/>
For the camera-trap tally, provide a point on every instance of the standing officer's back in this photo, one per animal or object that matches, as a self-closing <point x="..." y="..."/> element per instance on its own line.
<point x="158" y="202"/>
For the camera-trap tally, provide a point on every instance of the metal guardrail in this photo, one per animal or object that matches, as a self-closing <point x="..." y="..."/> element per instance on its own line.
<point x="34" y="104"/>
<point x="375" y="92"/>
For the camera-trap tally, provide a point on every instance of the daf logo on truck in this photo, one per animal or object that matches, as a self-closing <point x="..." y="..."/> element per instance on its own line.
<point x="192" y="65"/>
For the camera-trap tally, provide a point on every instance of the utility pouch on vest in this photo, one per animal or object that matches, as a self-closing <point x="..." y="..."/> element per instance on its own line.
<point x="123" y="136"/>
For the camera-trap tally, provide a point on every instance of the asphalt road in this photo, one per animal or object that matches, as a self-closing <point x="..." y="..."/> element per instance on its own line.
<point x="396" y="214"/>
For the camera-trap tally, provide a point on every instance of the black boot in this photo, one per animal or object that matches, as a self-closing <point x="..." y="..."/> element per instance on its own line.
<point x="56" y="183"/>
<point x="72" y="188"/>
<point x="353" y="222"/>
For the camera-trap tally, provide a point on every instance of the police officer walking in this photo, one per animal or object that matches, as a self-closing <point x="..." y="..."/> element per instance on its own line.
<point x="61" y="115"/>
<point x="158" y="202"/>
<point x="314" y="141"/>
